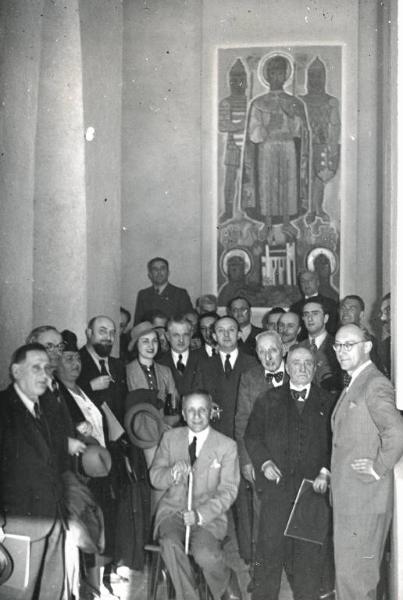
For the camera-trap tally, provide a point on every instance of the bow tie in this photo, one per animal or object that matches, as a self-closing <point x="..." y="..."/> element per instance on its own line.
<point x="276" y="376"/>
<point x="346" y="379"/>
<point x="298" y="394"/>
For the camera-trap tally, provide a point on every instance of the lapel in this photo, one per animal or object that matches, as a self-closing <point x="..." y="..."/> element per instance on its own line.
<point x="31" y="430"/>
<point x="341" y="407"/>
<point x="207" y="452"/>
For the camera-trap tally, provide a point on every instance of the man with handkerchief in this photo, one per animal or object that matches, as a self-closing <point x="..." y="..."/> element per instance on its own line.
<point x="198" y="469"/>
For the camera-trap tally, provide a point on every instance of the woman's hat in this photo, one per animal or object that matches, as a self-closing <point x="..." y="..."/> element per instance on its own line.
<point x="144" y="425"/>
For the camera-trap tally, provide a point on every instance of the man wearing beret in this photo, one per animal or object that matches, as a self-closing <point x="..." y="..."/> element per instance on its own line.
<point x="288" y="439"/>
<point x="212" y="460"/>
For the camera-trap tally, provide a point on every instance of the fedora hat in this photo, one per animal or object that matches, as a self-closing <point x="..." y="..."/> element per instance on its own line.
<point x="6" y="565"/>
<point x="144" y="425"/>
<point x="96" y="461"/>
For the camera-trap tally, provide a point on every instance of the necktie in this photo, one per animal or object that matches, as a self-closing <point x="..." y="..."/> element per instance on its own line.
<point x="192" y="451"/>
<point x="298" y="395"/>
<point x="55" y="390"/>
<point x="38" y="419"/>
<point x="37" y="410"/>
<point x="213" y="351"/>
<point x="346" y="379"/>
<point x="276" y="376"/>
<point x="313" y="345"/>
<point x="103" y="367"/>
<point x="227" y="365"/>
<point x="179" y="365"/>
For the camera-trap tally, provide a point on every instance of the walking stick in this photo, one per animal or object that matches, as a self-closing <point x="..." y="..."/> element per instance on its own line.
<point x="189" y="507"/>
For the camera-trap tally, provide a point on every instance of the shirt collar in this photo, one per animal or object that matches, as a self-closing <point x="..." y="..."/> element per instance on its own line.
<point x="358" y="370"/>
<point x="209" y="349"/>
<point x="201" y="437"/>
<point x="298" y="388"/>
<point x="185" y="356"/>
<point x="161" y="288"/>
<point x="319" y="339"/>
<point x="279" y="370"/>
<point x="28" y="403"/>
<point x="232" y="356"/>
<point x="245" y="332"/>
<point x="96" y="358"/>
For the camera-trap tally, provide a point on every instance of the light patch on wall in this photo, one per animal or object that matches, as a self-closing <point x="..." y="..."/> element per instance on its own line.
<point x="89" y="134"/>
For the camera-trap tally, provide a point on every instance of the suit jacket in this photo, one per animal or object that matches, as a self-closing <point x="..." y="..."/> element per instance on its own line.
<point x="173" y="301"/>
<point x="328" y="374"/>
<point x="215" y="478"/>
<point x="32" y="460"/>
<point x="252" y="384"/>
<point x="188" y="380"/>
<point x="331" y="307"/>
<point x="298" y="444"/>
<point x="115" y="394"/>
<point x="366" y="424"/>
<point x="249" y="345"/>
<point x="223" y="389"/>
<point x="136" y="379"/>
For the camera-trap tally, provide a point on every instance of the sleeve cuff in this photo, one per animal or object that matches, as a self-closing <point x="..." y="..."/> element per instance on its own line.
<point x="326" y="472"/>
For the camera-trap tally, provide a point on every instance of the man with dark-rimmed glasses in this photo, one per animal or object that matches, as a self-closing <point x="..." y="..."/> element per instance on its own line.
<point x="367" y="443"/>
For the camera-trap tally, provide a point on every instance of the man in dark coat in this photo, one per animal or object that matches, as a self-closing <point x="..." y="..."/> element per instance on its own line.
<point x="309" y="284"/>
<point x="33" y="457"/>
<point x="288" y="439"/>
<point x="240" y="309"/>
<point x="102" y="376"/>
<point x="161" y="295"/>
<point x="182" y="361"/>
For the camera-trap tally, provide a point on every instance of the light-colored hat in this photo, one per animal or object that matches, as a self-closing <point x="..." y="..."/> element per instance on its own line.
<point x="139" y="330"/>
<point x="96" y="461"/>
<point x="144" y="425"/>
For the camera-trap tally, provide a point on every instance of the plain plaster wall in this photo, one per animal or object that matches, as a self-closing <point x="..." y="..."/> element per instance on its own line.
<point x="169" y="170"/>
<point x="161" y="171"/>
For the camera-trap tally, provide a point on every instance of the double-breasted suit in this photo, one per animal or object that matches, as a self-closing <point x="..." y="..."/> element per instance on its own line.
<point x="215" y="486"/>
<point x="299" y="445"/>
<point x="366" y="424"/>
<point x="33" y="456"/>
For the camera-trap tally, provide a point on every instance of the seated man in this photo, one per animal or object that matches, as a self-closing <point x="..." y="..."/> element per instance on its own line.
<point x="215" y="486"/>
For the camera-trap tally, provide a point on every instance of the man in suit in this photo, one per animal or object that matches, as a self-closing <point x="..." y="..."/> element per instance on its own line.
<point x="102" y="376"/>
<point x="287" y="438"/>
<point x="240" y="309"/>
<point x="367" y="443"/>
<point x="309" y="284"/>
<point x="33" y="457"/>
<point x="161" y="295"/>
<point x="289" y="328"/>
<point x="182" y="362"/>
<point x="206" y="328"/>
<point x="221" y="374"/>
<point x="212" y="459"/>
<point x="328" y="373"/>
<point x="269" y="373"/>
<point x="351" y="310"/>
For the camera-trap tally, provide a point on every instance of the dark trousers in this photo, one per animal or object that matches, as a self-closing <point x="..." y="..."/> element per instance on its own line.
<point x="302" y="561"/>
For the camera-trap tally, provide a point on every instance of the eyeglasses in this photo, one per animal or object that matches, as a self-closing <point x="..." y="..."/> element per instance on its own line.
<point x="347" y="346"/>
<point x="51" y="346"/>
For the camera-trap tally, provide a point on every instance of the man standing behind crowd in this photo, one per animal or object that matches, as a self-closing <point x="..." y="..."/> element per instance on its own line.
<point x="33" y="456"/>
<point x="240" y="309"/>
<point x="161" y="295"/>
<point x="289" y="327"/>
<point x="309" y="284"/>
<point x="102" y="376"/>
<point x="367" y="443"/>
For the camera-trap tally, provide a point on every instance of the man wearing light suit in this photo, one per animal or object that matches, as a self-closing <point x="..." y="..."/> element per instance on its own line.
<point x="215" y="484"/>
<point x="367" y="443"/>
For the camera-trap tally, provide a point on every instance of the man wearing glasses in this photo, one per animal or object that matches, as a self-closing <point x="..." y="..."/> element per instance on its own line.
<point x="367" y="443"/>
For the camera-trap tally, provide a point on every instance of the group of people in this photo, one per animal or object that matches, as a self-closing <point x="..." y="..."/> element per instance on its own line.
<point x="204" y="429"/>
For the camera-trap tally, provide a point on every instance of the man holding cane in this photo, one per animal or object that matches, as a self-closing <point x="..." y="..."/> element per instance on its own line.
<point x="212" y="460"/>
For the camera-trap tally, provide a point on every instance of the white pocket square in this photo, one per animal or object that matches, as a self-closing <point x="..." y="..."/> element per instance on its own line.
<point x="215" y="464"/>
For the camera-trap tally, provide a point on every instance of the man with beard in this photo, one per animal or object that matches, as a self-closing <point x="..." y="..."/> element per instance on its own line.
<point x="102" y="376"/>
